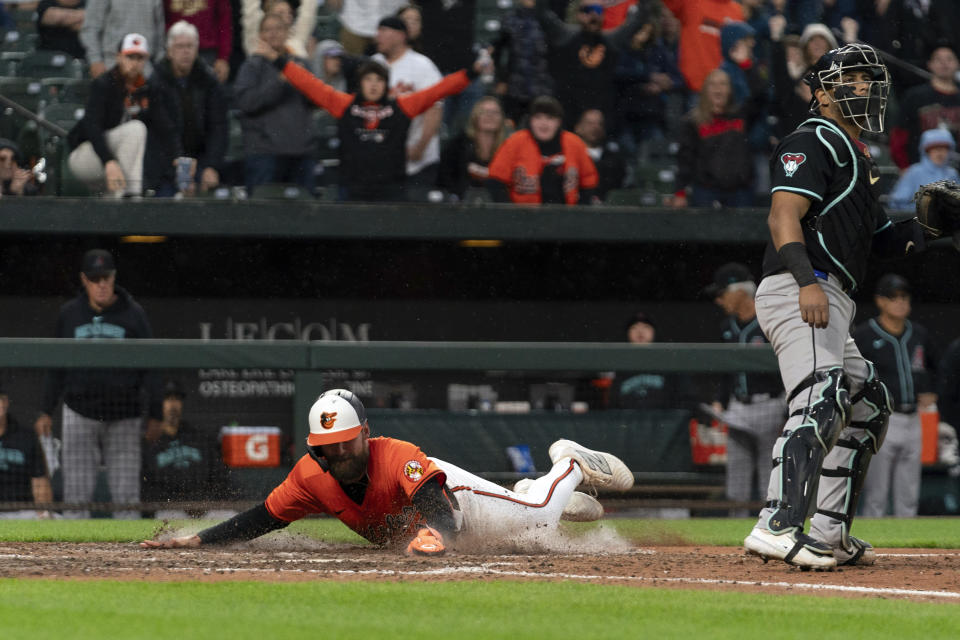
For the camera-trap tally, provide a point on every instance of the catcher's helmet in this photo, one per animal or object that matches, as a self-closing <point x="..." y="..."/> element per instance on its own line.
<point x="336" y="416"/>
<point x="866" y="111"/>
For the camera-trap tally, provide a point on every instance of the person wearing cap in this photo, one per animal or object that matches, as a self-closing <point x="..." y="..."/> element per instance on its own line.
<point x="755" y="405"/>
<point x="107" y="22"/>
<point x="641" y="390"/>
<point x="409" y="72"/>
<point x="359" y="20"/>
<point x="199" y="105"/>
<point x="279" y="134"/>
<point x="391" y="493"/>
<point x="23" y="468"/>
<point x="213" y="20"/>
<point x="372" y="125"/>
<point x="931" y="105"/>
<point x="936" y="148"/>
<point x="905" y="357"/>
<point x="126" y="139"/>
<point x="181" y="461"/>
<point x="14" y="179"/>
<point x="542" y="163"/>
<point x="102" y="415"/>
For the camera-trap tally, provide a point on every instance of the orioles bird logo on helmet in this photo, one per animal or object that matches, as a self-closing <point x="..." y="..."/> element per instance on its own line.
<point x="327" y="419"/>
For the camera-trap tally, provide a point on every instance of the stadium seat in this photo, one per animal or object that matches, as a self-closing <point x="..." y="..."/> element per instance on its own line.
<point x="46" y="63"/>
<point x="63" y="114"/>
<point x="27" y="92"/>
<point x="16" y="41"/>
<point x="281" y="191"/>
<point x="77" y="91"/>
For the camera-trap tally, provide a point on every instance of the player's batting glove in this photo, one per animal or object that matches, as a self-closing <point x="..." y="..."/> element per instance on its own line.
<point x="428" y="542"/>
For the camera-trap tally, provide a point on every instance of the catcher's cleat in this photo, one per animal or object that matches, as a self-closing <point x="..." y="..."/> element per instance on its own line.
<point x="861" y="553"/>
<point x="579" y="508"/>
<point x="793" y="548"/>
<point x="600" y="469"/>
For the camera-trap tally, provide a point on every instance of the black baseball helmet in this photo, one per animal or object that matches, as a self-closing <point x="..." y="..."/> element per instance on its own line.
<point x="866" y="111"/>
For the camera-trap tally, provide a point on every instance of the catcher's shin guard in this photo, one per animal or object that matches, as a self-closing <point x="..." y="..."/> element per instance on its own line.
<point x="800" y="453"/>
<point x="845" y="468"/>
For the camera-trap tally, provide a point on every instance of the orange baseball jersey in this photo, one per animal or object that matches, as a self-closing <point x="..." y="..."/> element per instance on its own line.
<point x="518" y="163"/>
<point x="396" y="470"/>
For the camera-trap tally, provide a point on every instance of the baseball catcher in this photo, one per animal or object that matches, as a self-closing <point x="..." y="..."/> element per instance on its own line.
<point x="938" y="209"/>
<point x="825" y="223"/>
<point x="390" y="493"/>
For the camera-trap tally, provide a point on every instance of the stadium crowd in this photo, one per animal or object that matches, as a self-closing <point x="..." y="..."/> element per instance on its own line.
<point x="672" y="103"/>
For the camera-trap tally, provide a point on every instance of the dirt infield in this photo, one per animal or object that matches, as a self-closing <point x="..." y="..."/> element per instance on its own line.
<point x="916" y="574"/>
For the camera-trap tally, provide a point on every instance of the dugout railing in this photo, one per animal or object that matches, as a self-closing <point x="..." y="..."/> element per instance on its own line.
<point x="655" y="442"/>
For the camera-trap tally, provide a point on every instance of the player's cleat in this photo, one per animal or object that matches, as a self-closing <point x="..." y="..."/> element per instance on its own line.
<point x="600" y="469"/>
<point x="579" y="508"/>
<point x="861" y="553"/>
<point x="793" y="548"/>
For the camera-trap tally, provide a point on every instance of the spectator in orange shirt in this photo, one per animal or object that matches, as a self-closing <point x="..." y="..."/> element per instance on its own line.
<point x="700" y="35"/>
<point x="543" y="163"/>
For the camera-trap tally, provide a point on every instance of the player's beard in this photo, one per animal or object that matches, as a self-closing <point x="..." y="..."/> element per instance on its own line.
<point x="349" y="470"/>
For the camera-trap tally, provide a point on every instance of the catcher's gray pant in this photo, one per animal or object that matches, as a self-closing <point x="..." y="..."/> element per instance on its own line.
<point x="88" y="443"/>
<point x="490" y="515"/>
<point x="896" y="469"/>
<point x="801" y="350"/>
<point x="754" y="429"/>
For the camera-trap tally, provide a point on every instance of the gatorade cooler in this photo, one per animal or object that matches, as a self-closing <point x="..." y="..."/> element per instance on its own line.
<point x="929" y="425"/>
<point x="250" y="446"/>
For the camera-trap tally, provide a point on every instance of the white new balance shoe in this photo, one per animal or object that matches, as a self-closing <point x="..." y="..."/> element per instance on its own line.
<point x="600" y="469"/>
<point x="861" y="553"/>
<point x="792" y="547"/>
<point x="579" y="508"/>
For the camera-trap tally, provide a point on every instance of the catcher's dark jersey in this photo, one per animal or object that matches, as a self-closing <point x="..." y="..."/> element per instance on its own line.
<point x="825" y="165"/>
<point x="743" y="386"/>
<point x="905" y="363"/>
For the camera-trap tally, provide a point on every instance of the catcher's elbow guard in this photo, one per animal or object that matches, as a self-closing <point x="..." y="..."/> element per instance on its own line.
<point x="428" y="542"/>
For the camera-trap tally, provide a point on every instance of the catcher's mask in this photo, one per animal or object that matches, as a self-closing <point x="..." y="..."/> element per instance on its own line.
<point x="866" y="111"/>
<point x="336" y="416"/>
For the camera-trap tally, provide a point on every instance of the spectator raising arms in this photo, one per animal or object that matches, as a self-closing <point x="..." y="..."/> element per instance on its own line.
<point x="583" y="58"/>
<point x="299" y="24"/>
<point x="279" y="137"/>
<point x="373" y="126"/>
<point x="465" y="159"/>
<point x="714" y="161"/>
<point x="543" y="163"/>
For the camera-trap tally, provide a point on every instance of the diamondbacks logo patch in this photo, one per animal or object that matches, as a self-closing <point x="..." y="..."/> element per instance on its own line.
<point x="791" y="162"/>
<point x="327" y="419"/>
<point x="413" y="470"/>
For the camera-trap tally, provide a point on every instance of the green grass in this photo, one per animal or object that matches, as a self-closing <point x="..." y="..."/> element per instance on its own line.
<point x="941" y="533"/>
<point x="38" y="609"/>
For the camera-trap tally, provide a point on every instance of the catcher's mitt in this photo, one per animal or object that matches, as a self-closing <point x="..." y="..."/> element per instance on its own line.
<point x="938" y="209"/>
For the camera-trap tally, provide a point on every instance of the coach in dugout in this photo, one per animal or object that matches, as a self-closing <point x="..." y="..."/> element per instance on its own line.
<point x="101" y="407"/>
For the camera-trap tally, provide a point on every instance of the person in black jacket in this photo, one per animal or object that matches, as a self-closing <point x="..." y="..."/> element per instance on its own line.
<point x="464" y="160"/>
<point x="714" y="161"/>
<point x="181" y="462"/>
<point x="125" y="121"/>
<point x="199" y="106"/>
<point x="102" y="410"/>
<point x="23" y="470"/>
